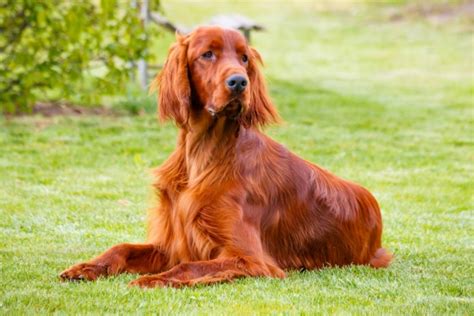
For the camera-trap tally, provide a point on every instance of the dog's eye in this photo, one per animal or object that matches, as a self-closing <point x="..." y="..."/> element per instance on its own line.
<point x="245" y="58"/>
<point x="207" y="55"/>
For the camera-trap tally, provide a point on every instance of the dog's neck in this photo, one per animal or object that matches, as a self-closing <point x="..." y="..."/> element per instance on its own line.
<point x="209" y="140"/>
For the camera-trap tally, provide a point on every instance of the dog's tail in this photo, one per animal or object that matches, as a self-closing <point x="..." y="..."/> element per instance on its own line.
<point x="381" y="258"/>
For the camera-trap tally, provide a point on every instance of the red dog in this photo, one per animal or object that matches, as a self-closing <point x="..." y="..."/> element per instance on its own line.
<point x="233" y="202"/>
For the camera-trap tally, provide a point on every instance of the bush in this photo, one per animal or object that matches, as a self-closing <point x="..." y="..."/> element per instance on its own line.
<point x="55" y="49"/>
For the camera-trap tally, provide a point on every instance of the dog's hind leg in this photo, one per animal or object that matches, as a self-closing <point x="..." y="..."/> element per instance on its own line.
<point x="209" y="272"/>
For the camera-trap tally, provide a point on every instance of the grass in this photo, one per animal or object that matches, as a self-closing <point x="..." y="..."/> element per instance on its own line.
<point x="386" y="104"/>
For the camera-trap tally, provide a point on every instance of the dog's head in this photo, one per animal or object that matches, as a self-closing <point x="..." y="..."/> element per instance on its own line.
<point x="213" y="72"/>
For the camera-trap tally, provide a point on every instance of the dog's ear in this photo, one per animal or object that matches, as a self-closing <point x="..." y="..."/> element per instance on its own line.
<point x="174" y="91"/>
<point x="261" y="110"/>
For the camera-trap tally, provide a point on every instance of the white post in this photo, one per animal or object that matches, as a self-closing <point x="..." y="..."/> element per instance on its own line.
<point x="142" y="65"/>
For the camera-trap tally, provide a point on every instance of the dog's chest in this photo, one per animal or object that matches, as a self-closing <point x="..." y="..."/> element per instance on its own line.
<point x="197" y="227"/>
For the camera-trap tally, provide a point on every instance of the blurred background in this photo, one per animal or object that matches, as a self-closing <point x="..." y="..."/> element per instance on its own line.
<point x="94" y="53"/>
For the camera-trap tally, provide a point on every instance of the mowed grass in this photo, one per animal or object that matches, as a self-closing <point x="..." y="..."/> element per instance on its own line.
<point x="388" y="104"/>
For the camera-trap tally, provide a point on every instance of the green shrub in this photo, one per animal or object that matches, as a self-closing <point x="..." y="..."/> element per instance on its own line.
<point x="55" y="49"/>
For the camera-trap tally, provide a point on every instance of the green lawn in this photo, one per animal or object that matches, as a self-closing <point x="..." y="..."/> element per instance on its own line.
<point x="388" y="104"/>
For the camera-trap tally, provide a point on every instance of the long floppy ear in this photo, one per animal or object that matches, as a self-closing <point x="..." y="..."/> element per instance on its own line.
<point x="174" y="91"/>
<point x="261" y="110"/>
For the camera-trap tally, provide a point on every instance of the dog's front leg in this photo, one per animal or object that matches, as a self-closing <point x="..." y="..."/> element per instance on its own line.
<point x="132" y="258"/>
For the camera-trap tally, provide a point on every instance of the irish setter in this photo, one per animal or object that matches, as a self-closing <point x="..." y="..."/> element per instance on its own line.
<point x="233" y="202"/>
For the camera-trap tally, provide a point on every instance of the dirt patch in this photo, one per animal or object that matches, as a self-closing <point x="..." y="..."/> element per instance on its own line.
<point x="437" y="13"/>
<point x="50" y="109"/>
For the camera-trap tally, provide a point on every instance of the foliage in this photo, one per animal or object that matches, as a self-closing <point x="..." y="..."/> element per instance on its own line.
<point x="66" y="49"/>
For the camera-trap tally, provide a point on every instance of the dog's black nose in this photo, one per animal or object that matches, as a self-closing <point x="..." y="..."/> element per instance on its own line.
<point x="236" y="83"/>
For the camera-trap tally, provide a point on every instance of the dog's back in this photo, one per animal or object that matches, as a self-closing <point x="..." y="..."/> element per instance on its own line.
<point x="308" y="217"/>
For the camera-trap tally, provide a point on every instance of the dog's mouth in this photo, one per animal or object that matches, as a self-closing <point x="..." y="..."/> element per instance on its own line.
<point x="231" y="110"/>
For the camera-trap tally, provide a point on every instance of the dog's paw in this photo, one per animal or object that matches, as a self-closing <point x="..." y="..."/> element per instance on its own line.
<point x="83" y="271"/>
<point x="150" y="281"/>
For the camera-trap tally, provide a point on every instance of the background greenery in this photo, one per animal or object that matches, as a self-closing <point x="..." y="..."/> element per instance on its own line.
<point x="379" y="94"/>
<point x="68" y="50"/>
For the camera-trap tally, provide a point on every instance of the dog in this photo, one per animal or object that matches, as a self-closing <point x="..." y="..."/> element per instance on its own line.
<point x="234" y="203"/>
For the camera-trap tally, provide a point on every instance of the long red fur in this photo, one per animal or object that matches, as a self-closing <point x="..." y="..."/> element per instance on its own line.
<point x="233" y="202"/>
